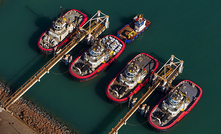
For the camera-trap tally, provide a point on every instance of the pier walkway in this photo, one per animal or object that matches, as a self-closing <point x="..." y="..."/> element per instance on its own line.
<point x="163" y="78"/>
<point x="92" y="31"/>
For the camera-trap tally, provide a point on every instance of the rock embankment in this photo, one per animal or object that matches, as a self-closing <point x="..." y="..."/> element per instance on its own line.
<point x="4" y="92"/>
<point x="33" y="116"/>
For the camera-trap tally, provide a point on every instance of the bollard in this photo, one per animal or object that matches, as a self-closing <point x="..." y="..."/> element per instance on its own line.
<point x="133" y="102"/>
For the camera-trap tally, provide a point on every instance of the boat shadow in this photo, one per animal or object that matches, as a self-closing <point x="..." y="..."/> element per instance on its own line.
<point x="75" y="52"/>
<point x="152" y="100"/>
<point x="124" y="20"/>
<point x="100" y="88"/>
<point x="160" y="60"/>
<point x="104" y="125"/>
<point x="43" y="23"/>
<point x="24" y="74"/>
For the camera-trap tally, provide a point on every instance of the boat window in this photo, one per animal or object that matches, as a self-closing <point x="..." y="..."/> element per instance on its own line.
<point x="129" y="74"/>
<point x="94" y="53"/>
<point x="171" y="100"/>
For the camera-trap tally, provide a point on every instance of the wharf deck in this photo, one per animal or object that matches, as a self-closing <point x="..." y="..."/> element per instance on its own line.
<point x="41" y="72"/>
<point x="94" y="27"/>
<point x="169" y="72"/>
<point x="135" y="107"/>
<point x="77" y="37"/>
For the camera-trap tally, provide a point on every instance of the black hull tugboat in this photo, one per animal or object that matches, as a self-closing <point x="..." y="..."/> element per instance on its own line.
<point x="132" y="30"/>
<point x="60" y="32"/>
<point x="131" y="78"/>
<point x="174" y="106"/>
<point x="100" y="55"/>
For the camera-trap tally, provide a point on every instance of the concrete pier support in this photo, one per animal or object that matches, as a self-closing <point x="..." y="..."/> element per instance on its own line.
<point x="107" y="21"/>
<point x="98" y="15"/>
<point x="181" y="66"/>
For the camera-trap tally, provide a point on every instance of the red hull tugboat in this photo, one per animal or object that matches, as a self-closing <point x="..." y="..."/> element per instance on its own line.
<point x="132" y="30"/>
<point x="131" y="78"/>
<point x="96" y="58"/>
<point x="174" y="106"/>
<point x="59" y="33"/>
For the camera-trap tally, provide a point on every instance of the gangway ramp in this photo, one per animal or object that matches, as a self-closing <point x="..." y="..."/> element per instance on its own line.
<point x="41" y="72"/>
<point x="77" y="36"/>
<point x="98" y="23"/>
<point x="163" y="78"/>
<point x="134" y="108"/>
<point x="169" y="71"/>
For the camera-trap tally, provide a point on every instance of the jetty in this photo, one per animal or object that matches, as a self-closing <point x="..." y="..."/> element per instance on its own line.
<point x="90" y="30"/>
<point x="163" y="79"/>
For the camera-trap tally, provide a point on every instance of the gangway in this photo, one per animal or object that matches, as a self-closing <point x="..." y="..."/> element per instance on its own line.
<point x="166" y="74"/>
<point x="77" y="36"/>
<point x="98" y="23"/>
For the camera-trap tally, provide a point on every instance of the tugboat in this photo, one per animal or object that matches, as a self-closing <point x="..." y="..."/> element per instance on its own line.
<point x="174" y="106"/>
<point x="59" y="33"/>
<point x="100" y="55"/>
<point x="132" y="30"/>
<point x="131" y="78"/>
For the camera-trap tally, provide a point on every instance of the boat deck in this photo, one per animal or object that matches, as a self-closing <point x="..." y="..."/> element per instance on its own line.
<point x="192" y="93"/>
<point x="85" y="65"/>
<point x="125" y="31"/>
<point x="73" y="17"/>
<point x="129" y="28"/>
<point x="134" y="108"/>
<point x="144" y="62"/>
<point x="191" y="89"/>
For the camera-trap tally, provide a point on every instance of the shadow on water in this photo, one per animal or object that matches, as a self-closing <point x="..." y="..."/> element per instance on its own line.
<point x="117" y="66"/>
<point x="124" y="20"/>
<point x="112" y="116"/>
<point x="24" y="74"/>
<point x="112" y="71"/>
<point x="43" y="23"/>
<point x="161" y="60"/>
<point x="151" y="101"/>
<point x="75" y="52"/>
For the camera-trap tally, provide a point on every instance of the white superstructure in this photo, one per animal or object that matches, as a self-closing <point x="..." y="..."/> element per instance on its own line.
<point x="60" y="29"/>
<point x="176" y="102"/>
<point x="101" y="52"/>
<point x="140" y="23"/>
<point x="132" y="75"/>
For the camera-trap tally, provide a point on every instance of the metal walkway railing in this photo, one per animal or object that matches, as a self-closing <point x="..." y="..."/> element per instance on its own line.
<point x="101" y="23"/>
<point x="41" y="72"/>
<point x="167" y="74"/>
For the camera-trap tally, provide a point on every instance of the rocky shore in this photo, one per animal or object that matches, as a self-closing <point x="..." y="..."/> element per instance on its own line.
<point x="33" y="116"/>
